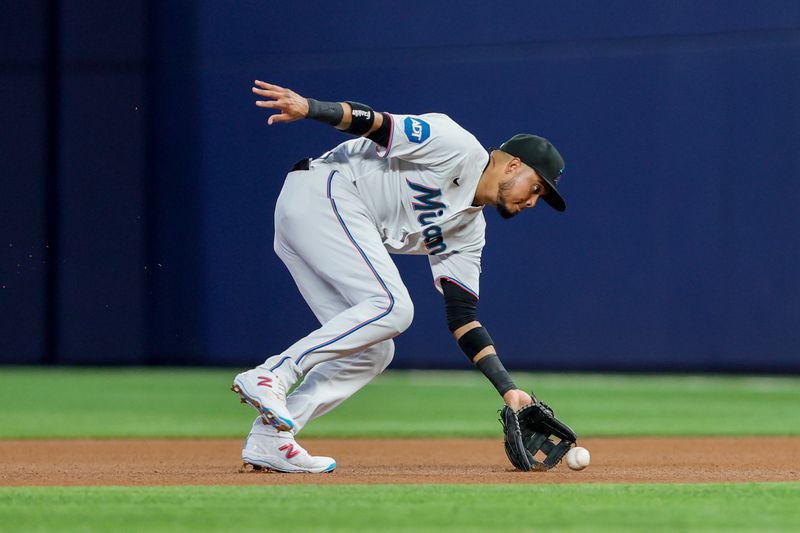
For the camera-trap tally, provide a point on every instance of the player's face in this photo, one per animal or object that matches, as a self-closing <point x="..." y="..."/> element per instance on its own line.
<point x="520" y="191"/>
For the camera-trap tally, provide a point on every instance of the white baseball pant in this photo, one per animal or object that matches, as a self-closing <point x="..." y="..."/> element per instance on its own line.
<point x="333" y="250"/>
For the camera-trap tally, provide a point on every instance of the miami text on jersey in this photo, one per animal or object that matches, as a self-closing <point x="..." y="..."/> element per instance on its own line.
<point x="429" y="208"/>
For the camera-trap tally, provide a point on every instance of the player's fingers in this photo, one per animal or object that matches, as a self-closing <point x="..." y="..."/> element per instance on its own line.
<point x="285" y="117"/>
<point x="274" y="119"/>
<point x="271" y="104"/>
<point x="266" y="92"/>
<point x="265" y="85"/>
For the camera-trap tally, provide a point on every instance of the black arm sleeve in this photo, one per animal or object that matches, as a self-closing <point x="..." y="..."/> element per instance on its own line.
<point x="460" y="305"/>
<point x="495" y="372"/>
<point x="462" y="309"/>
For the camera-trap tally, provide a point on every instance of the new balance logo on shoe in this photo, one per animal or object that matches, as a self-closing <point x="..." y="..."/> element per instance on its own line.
<point x="264" y="381"/>
<point x="290" y="451"/>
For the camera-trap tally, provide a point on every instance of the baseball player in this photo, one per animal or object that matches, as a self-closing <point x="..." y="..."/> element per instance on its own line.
<point x="406" y="184"/>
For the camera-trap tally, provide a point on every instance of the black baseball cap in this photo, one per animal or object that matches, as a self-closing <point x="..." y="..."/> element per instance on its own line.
<point x="539" y="154"/>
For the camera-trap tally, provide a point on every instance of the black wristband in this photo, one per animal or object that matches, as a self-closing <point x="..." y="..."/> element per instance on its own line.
<point x="327" y="112"/>
<point x="473" y="341"/>
<point x="382" y="135"/>
<point x="494" y="370"/>
<point x="362" y="118"/>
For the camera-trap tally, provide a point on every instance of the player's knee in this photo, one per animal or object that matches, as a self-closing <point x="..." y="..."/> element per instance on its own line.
<point x="383" y="356"/>
<point x="387" y="356"/>
<point x="402" y="313"/>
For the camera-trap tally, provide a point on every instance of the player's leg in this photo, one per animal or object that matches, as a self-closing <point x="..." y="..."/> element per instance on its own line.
<point x="330" y="383"/>
<point x="324" y="224"/>
<point x="324" y="387"/>
<point x="266" y="447"/>
<point x="339" y="241"/>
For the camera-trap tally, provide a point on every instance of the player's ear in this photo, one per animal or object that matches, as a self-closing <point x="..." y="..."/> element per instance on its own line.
<point x="513" y="165"/>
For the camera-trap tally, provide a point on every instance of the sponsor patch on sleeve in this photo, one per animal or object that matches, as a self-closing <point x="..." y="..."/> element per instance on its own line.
<point x="417" y="130"/>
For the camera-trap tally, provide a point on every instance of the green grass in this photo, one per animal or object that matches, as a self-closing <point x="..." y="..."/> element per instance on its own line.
<point x="441" y="508"/>
<point x="47" y="403"/>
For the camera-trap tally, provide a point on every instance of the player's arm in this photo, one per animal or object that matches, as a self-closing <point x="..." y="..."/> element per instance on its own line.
<point x="477" y="345"/>
<point x="350" y="117"/>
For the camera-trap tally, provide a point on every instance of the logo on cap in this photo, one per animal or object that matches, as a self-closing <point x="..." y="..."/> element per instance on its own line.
<point x="417" y="130"/>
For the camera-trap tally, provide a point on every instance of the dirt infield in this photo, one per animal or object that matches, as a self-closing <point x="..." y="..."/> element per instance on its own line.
<point x="216" y="462"/>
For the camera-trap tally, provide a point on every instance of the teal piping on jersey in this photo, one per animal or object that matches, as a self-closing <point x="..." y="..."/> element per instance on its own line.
<point x="458" y="282"/>
<point x="374" y="273"/>
<point x="391" y="137"/>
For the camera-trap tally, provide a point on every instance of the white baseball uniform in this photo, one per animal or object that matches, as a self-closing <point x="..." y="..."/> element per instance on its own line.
<point x="337" y="223"/>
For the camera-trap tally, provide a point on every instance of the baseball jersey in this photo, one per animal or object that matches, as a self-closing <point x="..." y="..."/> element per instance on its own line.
<point x="420" y="190"/>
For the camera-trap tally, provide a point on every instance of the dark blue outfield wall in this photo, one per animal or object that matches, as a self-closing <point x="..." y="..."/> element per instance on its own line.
<point x="138" y="179"/>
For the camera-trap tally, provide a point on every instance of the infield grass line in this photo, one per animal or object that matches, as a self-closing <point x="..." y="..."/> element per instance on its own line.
<point x="153" y="403"/>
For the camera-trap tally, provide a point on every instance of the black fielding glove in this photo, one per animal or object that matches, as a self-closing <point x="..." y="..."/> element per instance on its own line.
<point x="530" y="430"/>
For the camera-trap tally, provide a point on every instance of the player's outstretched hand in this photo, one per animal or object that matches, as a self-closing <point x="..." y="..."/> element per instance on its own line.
<point x="291" y="105"/>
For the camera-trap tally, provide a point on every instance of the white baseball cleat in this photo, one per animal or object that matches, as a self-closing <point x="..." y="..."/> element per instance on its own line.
<point x="278" y="451"/>
<point x="265" y="391"/>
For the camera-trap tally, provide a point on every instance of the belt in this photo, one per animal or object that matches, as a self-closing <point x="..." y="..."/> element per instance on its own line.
<point x="303" y="164"/>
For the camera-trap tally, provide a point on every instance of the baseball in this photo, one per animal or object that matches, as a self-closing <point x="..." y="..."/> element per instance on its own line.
<point x="578" y="458"/>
